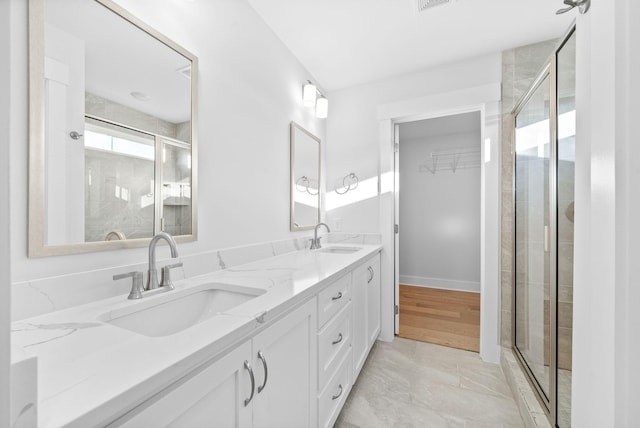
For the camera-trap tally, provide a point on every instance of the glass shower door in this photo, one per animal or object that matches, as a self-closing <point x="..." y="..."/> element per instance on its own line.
<point x="566" y="130"/>
<point x="532" y="235"/>
<point x="544" y="159"/>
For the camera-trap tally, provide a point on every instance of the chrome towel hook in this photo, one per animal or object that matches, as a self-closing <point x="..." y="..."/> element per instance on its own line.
<point x="583" y="6"/>
<point x="75" y="135"/>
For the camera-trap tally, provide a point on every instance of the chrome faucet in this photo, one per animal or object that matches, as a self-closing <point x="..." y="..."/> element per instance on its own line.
<point x="315" y="242"/>
<point x="137" y="289"/>
<point x="152" y="279"/>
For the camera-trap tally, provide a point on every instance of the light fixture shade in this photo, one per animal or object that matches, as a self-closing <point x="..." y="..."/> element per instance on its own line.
<point x="309" y="95"/>
<point x="322" y="108"/>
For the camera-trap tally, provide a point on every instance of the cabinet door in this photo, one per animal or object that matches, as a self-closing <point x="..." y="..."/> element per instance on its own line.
<point x="360" y="336"/>
<point x="285" y="361"/>
<point x="373" y="299"/>
<point x="211" y="397"/>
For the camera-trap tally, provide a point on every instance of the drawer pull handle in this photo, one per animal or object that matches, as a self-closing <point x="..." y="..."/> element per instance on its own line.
<point x="335" y="397"/>
<point x="253" y="383"/>
<point x="338" y="296"/>
<point x="335" y="342"/>
<point x="370" y="269"/>
<point x="266" y="372"/>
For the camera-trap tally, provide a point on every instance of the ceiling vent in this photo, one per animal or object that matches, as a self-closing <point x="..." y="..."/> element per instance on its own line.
<point x="423" y="5"/>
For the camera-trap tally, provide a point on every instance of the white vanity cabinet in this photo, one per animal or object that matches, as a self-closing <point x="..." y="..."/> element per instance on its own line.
<point x="296" y="371"/>
<point x="334" y="349"/>
<point x="282" y="361"/>
<point x="209" y="397"/>
<point x="285" y="368"/>
<point x="373" y="299"/>
<point x="366" y="310"/>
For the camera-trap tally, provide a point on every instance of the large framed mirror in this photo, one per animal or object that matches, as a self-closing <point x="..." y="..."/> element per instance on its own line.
<point x="112" y="119"/>
<point x="305" y="178"/>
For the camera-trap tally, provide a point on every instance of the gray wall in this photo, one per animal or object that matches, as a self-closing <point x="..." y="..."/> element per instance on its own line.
<point x="439" y="215"/>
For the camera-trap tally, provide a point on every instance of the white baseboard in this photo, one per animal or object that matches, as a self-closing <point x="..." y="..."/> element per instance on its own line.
<point x="444" y="284"/>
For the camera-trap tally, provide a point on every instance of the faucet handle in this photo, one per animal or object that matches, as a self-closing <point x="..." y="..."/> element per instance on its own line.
<point x="165" y="281"/>
<point x="136" y="286"/>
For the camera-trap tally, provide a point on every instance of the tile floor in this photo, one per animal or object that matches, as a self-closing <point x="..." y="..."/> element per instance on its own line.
<point x="413" y="384"/>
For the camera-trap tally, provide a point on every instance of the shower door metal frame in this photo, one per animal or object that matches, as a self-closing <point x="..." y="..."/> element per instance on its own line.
<point x="549" y="70"/>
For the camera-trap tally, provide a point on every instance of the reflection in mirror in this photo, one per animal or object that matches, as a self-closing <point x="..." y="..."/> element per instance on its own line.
<point x="119" y="187"/>
<point x="112" y="150"/>
<point x="305" y="178"/>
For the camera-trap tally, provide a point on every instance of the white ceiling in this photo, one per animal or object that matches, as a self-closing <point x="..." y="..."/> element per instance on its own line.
<point x="446" y="125"/>
<point x="121" y="59"/>
<point x="344" y="43"/>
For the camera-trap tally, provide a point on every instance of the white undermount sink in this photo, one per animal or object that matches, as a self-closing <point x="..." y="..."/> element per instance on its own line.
<point x="177" y="310"/>
<point x="339" y="250"/>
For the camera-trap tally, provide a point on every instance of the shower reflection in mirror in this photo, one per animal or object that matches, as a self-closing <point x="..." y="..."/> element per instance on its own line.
<point x="135" y="182"/>
<point x="112" y="120"/>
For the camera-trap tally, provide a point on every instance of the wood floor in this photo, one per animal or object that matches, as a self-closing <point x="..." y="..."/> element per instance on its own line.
<point x="449" y="318"/>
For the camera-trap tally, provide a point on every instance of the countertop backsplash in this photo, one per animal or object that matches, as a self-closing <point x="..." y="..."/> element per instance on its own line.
<point x="41" y="296"/>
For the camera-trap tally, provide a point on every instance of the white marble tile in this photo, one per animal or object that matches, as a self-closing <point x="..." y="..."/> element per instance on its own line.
<point x="413" y="384"/>
<point x="354" y="238"/>
<point x="41" y="296"/>
<point x="90" y="370"/>
<point x="489" y="380"/>
<point x="24" y="388"/>
<point x="240" y="255"/>
<point x="530" y="408"/>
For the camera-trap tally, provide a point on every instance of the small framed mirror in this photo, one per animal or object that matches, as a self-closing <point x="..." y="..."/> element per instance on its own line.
<point x="112" y="147"/>
<point x="305" y="178"/>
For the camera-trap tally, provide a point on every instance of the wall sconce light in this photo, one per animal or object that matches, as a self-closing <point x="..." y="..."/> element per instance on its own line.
<point x="309" y="94"/>
<point x="322" y="107"/>
<point x="311" y="97"/>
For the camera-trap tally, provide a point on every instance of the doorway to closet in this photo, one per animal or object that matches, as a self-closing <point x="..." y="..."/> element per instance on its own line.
<point x="438" y="212"/>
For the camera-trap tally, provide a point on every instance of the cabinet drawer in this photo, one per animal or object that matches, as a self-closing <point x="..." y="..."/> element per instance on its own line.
<point x="334" y="395"/>
<point x="334" y="341"/>
<point x="333" y="298"/>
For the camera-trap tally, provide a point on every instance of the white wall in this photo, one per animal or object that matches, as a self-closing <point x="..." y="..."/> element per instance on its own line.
<point x="353" y="125"/>
<point x="439" y="214"/>
<point x="65" y="83"/>
<point x="606" y="345"/>
<point x="249" y="91"/>
<point x="361" y="115"/>
<point x="5" y="275"/>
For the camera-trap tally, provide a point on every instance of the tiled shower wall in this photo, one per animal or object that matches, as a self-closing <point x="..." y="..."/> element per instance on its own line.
<point x="119" y="113"/>
<point x="520" y="66"/>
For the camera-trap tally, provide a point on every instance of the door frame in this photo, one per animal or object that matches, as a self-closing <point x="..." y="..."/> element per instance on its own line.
<point x="485" y="99"/>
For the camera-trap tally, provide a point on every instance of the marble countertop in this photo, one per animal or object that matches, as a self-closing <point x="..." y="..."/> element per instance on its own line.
<point x="90" y="372"/>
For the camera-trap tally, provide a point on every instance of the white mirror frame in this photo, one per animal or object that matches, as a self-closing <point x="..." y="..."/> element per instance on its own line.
<point x="294" y="126"/>
<point x="36" y="188"/>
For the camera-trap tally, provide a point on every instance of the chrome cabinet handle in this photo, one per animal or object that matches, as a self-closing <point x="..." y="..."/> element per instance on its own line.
<point x="370" y="269"/>
<point x="338" y="340"/>
<point x="253" y="383"/>
<point x="338" y="296"/>
<point x="335" y="397"/>
<point x="266" y="371"/>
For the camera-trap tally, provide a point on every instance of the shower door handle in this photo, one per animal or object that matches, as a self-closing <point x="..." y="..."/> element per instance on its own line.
<point x="546" y="239"/>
